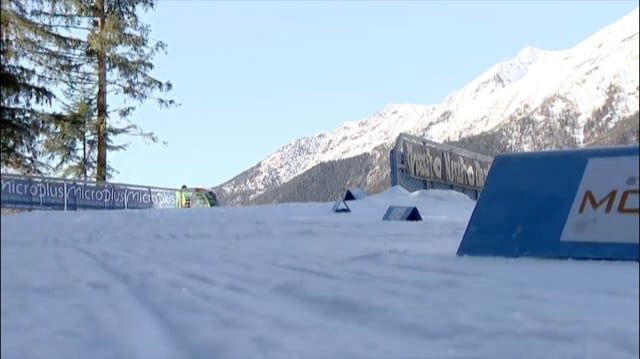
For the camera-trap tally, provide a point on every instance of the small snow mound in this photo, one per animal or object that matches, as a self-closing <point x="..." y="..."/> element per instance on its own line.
<point x="397" y="192"/>
<point x="394" y="192"/>
<point x="442" y="195"/>
<point x="419" y="193"/>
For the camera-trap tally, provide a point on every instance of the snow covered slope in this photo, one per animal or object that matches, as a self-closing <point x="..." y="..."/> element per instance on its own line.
<point x="562" y="87"/>
<point x="298" y="281"/>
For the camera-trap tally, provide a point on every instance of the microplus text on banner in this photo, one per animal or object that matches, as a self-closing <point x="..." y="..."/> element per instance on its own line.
<point x="26" y="192"/>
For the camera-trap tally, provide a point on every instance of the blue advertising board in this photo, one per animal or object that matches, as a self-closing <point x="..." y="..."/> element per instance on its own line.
<point x="559" y="204"/>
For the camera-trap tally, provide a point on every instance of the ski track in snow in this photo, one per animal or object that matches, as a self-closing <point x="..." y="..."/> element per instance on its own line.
<point x="298" y="281"/>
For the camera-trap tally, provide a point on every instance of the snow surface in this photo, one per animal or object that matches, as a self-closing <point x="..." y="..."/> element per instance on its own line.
<point x="298" y="281"/>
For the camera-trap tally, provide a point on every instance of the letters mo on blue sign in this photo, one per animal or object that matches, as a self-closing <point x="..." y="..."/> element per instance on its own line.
<point x="48" y="193"/>
<point x="563" y="204"/>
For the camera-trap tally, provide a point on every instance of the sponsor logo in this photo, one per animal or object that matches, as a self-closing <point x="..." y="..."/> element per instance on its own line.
<point x="426" y="161"/>
<point x="36" y="193"/>
<point x="611" y="202"/>
<point x="606" y="206"/>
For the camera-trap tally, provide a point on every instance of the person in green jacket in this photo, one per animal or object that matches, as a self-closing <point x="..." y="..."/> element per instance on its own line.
<point x="184" y="197"/>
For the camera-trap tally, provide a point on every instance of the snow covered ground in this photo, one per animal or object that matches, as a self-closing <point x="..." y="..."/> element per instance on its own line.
<point x="298" y="281"/>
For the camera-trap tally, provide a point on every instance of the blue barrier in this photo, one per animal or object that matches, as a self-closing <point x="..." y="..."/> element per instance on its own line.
<point x="395" y="213"/>
<point x="580" y="204"/>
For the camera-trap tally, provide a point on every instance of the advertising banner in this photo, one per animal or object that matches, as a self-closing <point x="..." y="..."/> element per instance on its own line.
<point x="27" y="192"/>
<point x="422" y="161"/>
<point x="570" y="203"/>
<point x="417" y="163"/>
<point x="464" y="170"/>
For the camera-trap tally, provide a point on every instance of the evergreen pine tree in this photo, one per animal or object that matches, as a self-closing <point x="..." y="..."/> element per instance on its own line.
<point x="25" y="94"/>
<point x="72" y="145"/>
<point x="124" y="54"/>
<point x="76" y="45"/>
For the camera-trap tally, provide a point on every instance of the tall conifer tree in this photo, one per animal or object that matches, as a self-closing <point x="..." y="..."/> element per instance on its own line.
<point x="26" y="92"/>
<point x="92" y="44"/>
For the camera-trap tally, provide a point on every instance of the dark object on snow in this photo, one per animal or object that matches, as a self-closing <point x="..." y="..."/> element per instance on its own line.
<point x="395" y="213"/>
<point x="341" y="207"/>
<point x="353" y="194"/>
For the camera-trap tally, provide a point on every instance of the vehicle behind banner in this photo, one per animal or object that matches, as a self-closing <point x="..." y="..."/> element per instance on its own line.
<point x="417" y="163"/>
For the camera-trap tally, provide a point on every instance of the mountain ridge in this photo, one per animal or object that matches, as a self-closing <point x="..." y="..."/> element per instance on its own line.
<point x="570" y="96"/>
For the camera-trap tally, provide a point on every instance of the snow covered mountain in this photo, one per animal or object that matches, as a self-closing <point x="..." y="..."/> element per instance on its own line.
<point x="539" y="99"/>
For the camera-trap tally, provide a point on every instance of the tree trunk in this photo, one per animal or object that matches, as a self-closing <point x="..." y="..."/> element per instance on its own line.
<point x="85" y="163"/>
<point x="101" y="124"/>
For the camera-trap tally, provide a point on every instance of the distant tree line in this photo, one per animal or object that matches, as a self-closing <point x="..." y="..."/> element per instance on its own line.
<point x="328" y="181"/>
<point x="63" y="63"/>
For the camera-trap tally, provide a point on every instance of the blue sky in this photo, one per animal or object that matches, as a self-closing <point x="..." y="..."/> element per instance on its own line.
<point x="254" y="75"/>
